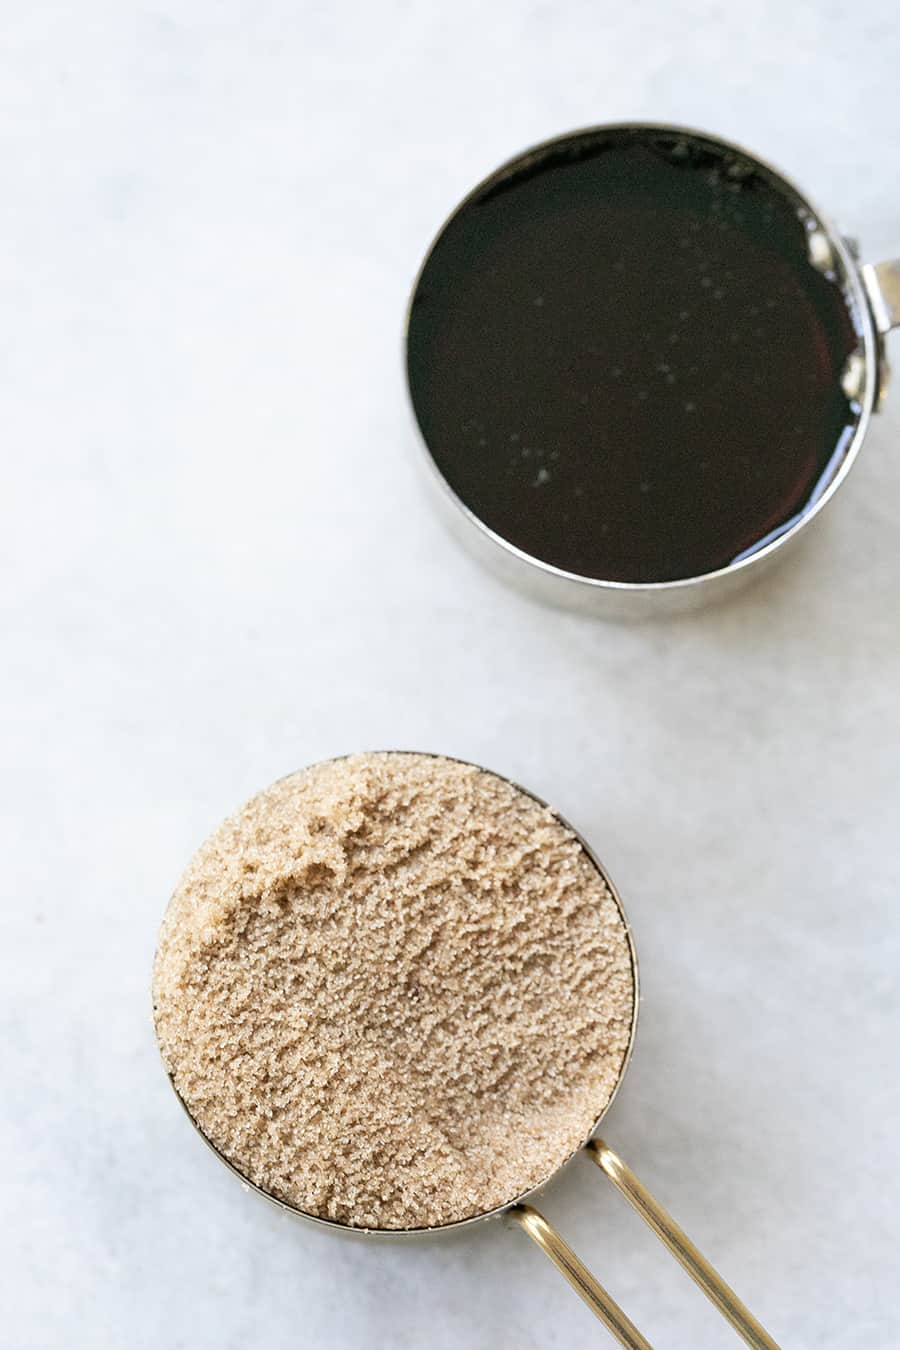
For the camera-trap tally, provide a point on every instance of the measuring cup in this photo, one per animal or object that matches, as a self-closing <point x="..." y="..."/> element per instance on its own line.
<point x="640" y="363"/>
<point x="519" y="1211"/>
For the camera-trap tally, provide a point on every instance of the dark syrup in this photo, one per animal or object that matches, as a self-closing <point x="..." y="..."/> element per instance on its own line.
<point x="623" y="361"/>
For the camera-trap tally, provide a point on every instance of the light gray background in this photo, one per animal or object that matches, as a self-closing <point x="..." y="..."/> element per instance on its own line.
<point x="218" y="567"/>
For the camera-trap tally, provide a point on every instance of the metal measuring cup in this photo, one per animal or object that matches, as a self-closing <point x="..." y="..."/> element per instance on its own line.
<point x="872" y="296"/>
<point x="519" y="1211"/>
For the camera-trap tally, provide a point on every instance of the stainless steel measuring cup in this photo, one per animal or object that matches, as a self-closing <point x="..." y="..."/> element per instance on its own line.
<point x="872" y="297"/>
<point x="520" y="1211"/>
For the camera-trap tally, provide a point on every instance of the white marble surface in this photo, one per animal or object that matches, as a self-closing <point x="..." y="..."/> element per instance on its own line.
<point x="218" y="567"/>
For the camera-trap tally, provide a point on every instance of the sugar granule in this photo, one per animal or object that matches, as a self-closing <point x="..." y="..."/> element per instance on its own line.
<point x="394" y="991"/>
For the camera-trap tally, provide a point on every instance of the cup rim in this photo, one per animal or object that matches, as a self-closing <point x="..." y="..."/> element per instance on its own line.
<point x="456" y="1224"/>
<point x="859" y="308"/>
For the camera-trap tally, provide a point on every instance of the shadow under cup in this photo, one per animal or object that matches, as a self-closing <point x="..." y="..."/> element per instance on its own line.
<point x="638" y="358"/>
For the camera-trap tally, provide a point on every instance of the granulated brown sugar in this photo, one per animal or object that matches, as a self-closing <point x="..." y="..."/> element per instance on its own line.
<point x="394" y="991"/>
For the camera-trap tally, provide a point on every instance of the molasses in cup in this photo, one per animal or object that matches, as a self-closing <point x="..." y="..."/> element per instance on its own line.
<point x="640" y="362"/>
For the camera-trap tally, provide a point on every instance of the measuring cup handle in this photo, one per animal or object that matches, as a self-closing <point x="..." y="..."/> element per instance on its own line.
<point x="667" y="1230"/>
<point x="882" y="281"/>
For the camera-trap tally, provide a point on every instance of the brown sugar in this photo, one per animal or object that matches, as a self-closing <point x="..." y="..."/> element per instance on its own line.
<point x="394" y="991"/>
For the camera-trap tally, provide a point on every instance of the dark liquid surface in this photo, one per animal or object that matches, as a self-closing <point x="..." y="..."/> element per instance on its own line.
<point x="623" y="361"/>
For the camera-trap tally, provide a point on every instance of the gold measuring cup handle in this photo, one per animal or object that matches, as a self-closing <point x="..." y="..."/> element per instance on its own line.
<point x="667" y="1230"/>
<point x="579" y="1277"/>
